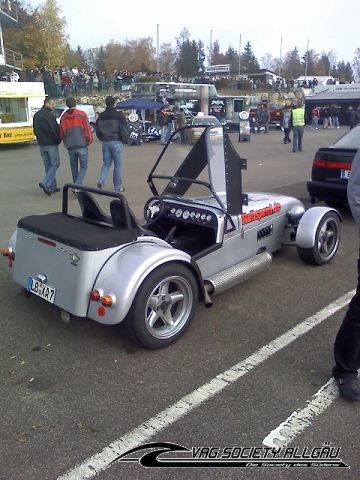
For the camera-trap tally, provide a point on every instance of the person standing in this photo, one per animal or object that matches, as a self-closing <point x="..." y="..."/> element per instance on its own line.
<point x="264" y="118"/>
<point x="347" y="341"/>
<point x="336" y="123"/>
<point x="298" y="124"/>
<point x="315" y="115"/>
<point x="47" y="134"/>
<point x="181" y="122"/>
<point x="286" y="123"/>
<point x="111" y="130"/>
<point x="75" y="131"/>
<point x="166" y="118"/>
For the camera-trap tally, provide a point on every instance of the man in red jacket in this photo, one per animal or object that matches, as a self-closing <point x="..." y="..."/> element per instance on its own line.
<point x="75" y="131"/>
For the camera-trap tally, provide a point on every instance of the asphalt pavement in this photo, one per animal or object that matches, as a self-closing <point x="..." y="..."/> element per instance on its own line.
<point x="251" y="371"/>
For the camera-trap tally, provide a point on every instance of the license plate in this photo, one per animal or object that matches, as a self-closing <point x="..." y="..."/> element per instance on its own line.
<point x="345" y="174"/>
<point x="43" y="290"/>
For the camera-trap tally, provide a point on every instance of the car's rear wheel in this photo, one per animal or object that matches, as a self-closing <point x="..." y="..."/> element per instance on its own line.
<point x="326" y="242"/>
<point x="164" y="306"/>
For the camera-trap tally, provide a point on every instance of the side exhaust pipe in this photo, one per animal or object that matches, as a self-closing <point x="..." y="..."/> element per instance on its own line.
<point x="236" y="274"/>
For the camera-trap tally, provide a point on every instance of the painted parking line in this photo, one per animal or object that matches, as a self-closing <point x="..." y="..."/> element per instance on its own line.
<point x="144" y="432"/>
<point x="302" y="418"/>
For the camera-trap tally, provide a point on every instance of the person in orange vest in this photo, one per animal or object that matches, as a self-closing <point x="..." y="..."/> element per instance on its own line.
<point x="298" y="124"/>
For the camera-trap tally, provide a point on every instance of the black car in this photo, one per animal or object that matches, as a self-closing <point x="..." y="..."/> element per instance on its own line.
<point x="331" y="169"/>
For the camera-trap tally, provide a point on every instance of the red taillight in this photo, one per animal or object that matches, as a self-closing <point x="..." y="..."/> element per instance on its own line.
<point x="107" y="300"/>
<point x="95" y="295"/>
<point x="320" y="162"/>
<point x="8" y="252"/>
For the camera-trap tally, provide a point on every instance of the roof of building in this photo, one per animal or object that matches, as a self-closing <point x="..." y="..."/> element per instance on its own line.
<point x="335" y="96"/>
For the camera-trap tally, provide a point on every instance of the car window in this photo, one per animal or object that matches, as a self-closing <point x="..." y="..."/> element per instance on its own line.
<point x="351" y="139"/>
<point x="88" y="109"/>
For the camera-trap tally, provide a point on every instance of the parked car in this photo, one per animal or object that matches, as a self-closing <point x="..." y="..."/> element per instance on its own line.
<point x="331" y="169"/>
<point x="88" y="109"/>
<point x="201" y="236"/>
<point x="201" y="121"/>
<point x="274" y="116"/>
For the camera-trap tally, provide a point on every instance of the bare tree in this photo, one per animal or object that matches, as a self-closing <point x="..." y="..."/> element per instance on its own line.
<point x="267" y="61"/>
<point x="167" y="58"/>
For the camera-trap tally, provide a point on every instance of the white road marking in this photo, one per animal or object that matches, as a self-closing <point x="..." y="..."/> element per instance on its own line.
<point x="143" y="433"/>
<point x="302" y="418"/>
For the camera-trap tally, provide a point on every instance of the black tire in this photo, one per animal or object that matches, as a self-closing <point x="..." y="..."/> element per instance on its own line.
<point x="164" y="306"/>
<point x="326" y="243"/>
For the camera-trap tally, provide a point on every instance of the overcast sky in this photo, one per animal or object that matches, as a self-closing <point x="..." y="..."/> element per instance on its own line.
<point x="271" y="26"/>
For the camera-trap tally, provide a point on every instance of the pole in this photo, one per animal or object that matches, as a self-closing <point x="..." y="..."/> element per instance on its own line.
<point x="157" y="49"/>
<point x="239" y="54"/>
<point x="280" y="56"/>
<point x="307" y="59"/>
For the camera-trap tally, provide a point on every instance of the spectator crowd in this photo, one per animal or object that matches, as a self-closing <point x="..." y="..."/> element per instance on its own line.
<point x="63" y="81"/>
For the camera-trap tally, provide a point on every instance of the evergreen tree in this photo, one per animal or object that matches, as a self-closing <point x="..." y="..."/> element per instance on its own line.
<point x="187" y="55"/>
<point x="249" y="63"/>
<point x="292" y="67"/>
<point x="343" y="72"/>
<point x="309" y="61"/>
<point x="232" y="58"/>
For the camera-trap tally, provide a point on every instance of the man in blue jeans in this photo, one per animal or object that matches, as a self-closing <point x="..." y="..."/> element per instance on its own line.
<point x="111" y="130"/>
<point x="47" y="134"/>
<point x="75" y="131"/>
<point x="298" y="124"/>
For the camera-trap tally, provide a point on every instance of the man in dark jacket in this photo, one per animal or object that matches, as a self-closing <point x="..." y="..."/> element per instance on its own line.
<point x="111" y="130"/>
<point x="47" y="133"/>
<point x="347" y="342"/>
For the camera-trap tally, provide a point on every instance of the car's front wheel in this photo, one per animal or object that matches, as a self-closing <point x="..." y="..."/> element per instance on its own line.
<point x="326" y="242"/>
<point x="164" y="306"/>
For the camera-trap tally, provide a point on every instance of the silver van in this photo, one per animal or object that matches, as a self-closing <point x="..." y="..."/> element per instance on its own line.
<point x="88" y="109"/>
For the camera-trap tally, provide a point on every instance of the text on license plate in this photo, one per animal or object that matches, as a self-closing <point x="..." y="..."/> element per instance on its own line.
<point x="345" y="174"/>
<point x="41" y="289"/>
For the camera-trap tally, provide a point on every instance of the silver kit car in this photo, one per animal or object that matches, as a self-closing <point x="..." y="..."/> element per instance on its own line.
<point x="202" y="235"/>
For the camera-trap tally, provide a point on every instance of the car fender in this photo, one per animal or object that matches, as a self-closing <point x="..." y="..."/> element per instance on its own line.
<point x="12" y="241"/>
<point x="123" y="273"/>
<point x="308" y="225"/>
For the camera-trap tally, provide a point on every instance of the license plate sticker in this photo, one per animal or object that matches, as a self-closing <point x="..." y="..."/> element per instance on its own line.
<point x="43" y="290"/>
<point x="345" y="174"/>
